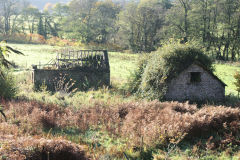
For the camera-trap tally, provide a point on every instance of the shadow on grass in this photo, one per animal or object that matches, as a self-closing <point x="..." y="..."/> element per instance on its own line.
<point x="230" y="101"/>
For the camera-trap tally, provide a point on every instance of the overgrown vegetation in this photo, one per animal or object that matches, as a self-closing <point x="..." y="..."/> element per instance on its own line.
<point x="7" y="84"/>
<point x="237" y="83"/>
<point x="8" y="88"/>
<point x="141" y="130"/>
<point x="110" y="123"/>
<point x="157" y="70"/>
<point x="120" y="121"/>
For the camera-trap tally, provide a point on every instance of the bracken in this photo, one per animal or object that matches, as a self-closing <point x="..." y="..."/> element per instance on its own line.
<point x="152" y="123"/>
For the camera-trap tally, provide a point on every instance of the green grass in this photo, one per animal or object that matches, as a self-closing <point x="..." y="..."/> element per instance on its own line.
<point x="226" y="73"/>
<point x="33" y="54"/>
<point x="121" y="64"/>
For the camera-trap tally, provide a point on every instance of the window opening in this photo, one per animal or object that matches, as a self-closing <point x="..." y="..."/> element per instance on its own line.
<point x="195" y="77"/>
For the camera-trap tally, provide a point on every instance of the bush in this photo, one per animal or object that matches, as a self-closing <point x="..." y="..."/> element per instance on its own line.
<point x="112" y="47"/>
<point x="164" y="65"/>
<point x="7" y="84"/>
<point x="237" y="83"/>
<point x="136" y="76"/>
<point x="24" y="38"/>
<point x="56" y="41"/>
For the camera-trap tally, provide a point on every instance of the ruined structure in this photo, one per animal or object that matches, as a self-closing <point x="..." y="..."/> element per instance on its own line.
<point x="81" y="69"/>
<point x="196" y="83"/>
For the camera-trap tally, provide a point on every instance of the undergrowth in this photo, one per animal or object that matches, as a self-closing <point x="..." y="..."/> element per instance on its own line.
<point x="137" y="130"/>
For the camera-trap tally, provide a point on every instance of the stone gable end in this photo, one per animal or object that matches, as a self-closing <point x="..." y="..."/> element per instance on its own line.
<point x="187" y="87"/>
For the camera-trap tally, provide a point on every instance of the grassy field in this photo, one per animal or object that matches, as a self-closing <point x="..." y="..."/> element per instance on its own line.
<point x="122" y="64"/>
<point x="226" y="73"/>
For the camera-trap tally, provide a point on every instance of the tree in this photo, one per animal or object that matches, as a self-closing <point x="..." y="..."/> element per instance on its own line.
<point x="178" y="20"/>
<point x="41" y="29"/>
<point x="60" y="10"/>
<point x="140" y="23"/>
<point x="8" y="8"/>
<point x="4" y="50"/>
<point x="76" y="24"/>
<point x="103" y="20"/>
<point x="31" y="16"/>
<point x="186" y="7"/>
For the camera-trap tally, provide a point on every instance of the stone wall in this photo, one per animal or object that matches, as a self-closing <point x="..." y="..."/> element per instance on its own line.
<point x="210" y="88"/>
<point x="83" y="78"/>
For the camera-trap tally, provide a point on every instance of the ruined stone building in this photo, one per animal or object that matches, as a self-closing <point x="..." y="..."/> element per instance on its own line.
<point x="82" y="69"/>
<point x="196" y="83"/>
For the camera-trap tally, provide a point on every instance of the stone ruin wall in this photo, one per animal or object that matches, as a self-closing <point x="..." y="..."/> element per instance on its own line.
<point x="83" y="78"/>
<point x="181" y="89"/>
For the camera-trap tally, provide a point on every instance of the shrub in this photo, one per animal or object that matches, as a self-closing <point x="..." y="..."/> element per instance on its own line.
<point x="8" y="88"/>
<point x="164" y="65"/>
<point x="136" y="76"/>
<point x="36" y="38"/>
<point x="56" y="41"/>
<point x="112" y="47"/>
<point x="24" y="38"/>
<point x="237" y="83"/>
